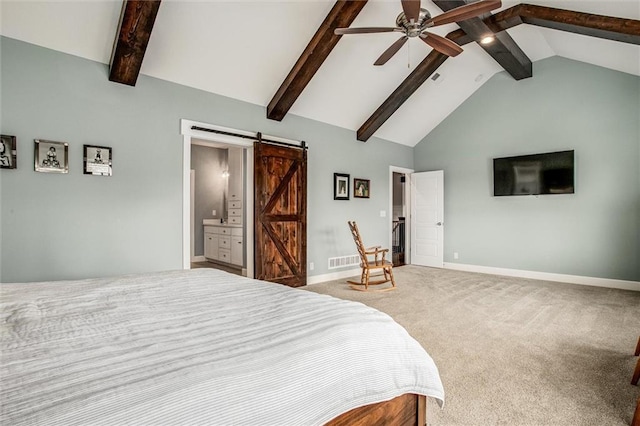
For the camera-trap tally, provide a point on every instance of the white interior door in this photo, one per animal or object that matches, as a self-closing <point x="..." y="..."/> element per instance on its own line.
<point x="427" y="213"/>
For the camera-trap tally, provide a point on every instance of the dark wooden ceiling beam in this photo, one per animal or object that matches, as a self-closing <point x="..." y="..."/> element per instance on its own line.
<point x="503" y="49"/>
<point x="606" y="27"/>
<point x="419" y="75"/>
<point x="136" y="22"/>
<point x="341" y="15"/>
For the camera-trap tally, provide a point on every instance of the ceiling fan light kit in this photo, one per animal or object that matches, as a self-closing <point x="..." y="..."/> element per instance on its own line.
<point x="414" y="21"/>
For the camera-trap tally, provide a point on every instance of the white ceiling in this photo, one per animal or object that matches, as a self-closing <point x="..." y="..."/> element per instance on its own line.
<point x="245" y="49"/>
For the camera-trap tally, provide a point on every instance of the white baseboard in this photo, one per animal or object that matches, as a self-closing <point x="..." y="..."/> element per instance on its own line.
<point x="198" y="259"/>
<point x="316" y="279"/>
<point x="547" y="276"/>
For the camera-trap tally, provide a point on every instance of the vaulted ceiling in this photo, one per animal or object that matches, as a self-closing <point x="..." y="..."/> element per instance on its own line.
<point x="285" y="56"/>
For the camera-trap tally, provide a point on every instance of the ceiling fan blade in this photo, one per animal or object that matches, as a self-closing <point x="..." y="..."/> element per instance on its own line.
<point x="365" y="30"/>
<point x="441" y="44"/>
<point x="465" y="12"/>
<point x="392" y="50"/>
<point x="411" y="9"/>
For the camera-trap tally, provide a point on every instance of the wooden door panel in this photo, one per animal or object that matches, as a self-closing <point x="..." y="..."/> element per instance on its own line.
<point x="280" y="214"/>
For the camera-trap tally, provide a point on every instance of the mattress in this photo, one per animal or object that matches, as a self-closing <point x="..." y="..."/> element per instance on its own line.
<point x="197" y="347"/>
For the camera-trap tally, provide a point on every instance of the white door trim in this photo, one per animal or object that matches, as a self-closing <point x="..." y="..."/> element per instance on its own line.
<point x="187" y="134"/>
<point x="407" y="201"/>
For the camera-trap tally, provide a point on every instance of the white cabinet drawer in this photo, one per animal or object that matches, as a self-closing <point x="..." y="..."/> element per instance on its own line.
<point x="220" y="230"/>
<point x="235" y="212"/>
<point x="237" y="204"/>
<point x="234" y="220"/>
<point x="236" y="232"/>
<point x="224" y="255"/>
<point x="211" y="229"/>
<point x="224" y="242"/>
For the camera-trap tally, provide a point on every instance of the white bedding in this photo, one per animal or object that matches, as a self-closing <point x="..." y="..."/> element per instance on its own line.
<point x="197" y="347"/>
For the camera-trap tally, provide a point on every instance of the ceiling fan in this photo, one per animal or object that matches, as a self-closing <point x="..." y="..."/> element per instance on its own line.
<point x="414" y="21"/>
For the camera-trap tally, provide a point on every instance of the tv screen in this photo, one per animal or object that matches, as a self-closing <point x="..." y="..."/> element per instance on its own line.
<point x="549" y="173"/>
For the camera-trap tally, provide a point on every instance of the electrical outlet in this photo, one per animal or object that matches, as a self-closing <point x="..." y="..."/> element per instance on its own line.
<point x="383" y="213"/>
<point x="455" y="254"/>
<point x="213" y="212"/>
<point x="311" y="266"/>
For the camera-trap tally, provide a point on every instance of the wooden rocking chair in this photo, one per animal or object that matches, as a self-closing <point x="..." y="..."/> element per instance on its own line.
<point x="378" y="263"/>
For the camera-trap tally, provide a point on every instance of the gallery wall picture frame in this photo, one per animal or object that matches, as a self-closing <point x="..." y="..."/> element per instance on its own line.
<point x="340" y="186"/>
<point x="97" y="160"/>
<point x="51" y="156"/>
<point x="8" y="152"/>
<point x="361" y="188"/>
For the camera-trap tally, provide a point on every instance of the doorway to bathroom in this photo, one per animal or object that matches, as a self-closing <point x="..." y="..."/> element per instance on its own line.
<point x="217" y="213"/>
<point x="217" y="208"/>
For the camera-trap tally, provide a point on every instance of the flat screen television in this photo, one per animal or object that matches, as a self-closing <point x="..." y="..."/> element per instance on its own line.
<point x="548" y="173"/>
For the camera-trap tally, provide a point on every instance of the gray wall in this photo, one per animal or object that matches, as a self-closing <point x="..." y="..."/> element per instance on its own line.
<point x="566" y="105"/>
<point x="73" y="226"/>
<point x="208" y="164"/>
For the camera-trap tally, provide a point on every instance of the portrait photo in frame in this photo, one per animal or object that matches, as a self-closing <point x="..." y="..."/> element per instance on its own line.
<point x="51" y="157"/>
<point x="340" y="186"/>
<point x="361" y="188"/>
<point x="97" y="160"/>
<point x="8" y="152"/>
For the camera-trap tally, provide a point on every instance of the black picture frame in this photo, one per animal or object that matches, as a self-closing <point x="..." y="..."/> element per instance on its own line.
<point x="8" y="152"/>
<point x="97" y="160"/>
<point x="361" y="188"/>
<point x="51" y="156"/>
<point x="341" y="186"/>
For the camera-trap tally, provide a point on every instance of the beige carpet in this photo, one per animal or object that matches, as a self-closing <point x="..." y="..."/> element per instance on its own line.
<point x="514" y="351"/>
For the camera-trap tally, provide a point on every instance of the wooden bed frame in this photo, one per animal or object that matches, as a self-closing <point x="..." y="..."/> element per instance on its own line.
<point x="405" y="410"/>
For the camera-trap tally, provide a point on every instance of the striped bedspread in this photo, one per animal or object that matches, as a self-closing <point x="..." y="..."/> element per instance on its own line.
<point x="197" y="347"/>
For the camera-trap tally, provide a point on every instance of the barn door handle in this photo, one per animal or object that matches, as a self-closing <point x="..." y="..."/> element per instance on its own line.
<point x="439" y="223"/>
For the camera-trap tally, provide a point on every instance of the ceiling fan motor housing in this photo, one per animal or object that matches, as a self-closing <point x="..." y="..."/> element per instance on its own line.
<point x="413" y="29"/>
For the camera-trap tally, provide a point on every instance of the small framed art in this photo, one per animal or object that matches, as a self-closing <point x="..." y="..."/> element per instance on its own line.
<point x="340" y="186"/>
<point x="51" y="157"/>
<point x="97" y="160"/>
<point x="8" y="152"/>
<point x="361" y="188"/>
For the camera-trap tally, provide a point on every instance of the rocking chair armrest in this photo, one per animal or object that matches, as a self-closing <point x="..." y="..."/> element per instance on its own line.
<point x="376" y="251"/>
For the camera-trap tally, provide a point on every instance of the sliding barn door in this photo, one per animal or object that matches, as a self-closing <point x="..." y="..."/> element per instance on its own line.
<point x="280" y="175"/>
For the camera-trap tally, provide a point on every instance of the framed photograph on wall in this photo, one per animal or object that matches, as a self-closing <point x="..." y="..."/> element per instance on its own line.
<point x="361" y="188"/>
<point x="8" y="152"/>
<point x="51" y="157"/>
<point x="340" y="186"/>
<point x="97" y="160"/>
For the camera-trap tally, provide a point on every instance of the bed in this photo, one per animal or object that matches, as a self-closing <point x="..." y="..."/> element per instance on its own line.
<point x="201" y="347"/>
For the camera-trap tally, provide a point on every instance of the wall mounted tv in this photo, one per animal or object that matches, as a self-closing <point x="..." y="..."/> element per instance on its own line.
<point x="549" y="173"/>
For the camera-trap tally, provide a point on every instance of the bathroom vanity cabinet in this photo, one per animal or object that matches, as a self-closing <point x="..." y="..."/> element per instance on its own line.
<point x="224" y="243"/>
